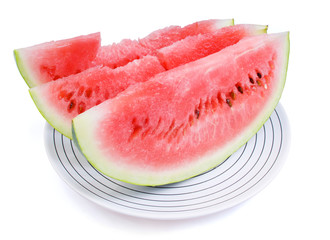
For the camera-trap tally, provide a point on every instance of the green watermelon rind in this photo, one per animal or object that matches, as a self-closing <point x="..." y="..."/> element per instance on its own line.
<point x="22" y="68"/>
<point x="204" y="164"/>
<point x="51" y="116"/>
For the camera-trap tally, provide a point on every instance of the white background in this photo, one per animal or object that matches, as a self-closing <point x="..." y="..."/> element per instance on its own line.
<point x="35" y="203"/>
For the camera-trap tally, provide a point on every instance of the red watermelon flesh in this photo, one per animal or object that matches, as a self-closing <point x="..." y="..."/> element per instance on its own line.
<point x="62" y="98"/>
<point x="167" y="36"/>
<point x="206" y="26"/>
<point x="50" y="61"/>
<point x="119" y="54"/>
<point x="60" y="101"/>
<point x="53" y="60"/>
<point x="198" y="46"/>
<point x="189" y="119"/>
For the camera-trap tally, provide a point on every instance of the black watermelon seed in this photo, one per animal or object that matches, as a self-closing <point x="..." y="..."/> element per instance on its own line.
<point x="240" y="89"/>
<point x="259" y="75"/>
<point x="229" y="102"/>
<point x="251" y="80"/>
<point x="197" y="113"/>
<point x="71" y="105"/>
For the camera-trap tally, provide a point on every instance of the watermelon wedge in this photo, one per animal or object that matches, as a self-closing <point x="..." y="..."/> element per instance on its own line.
<point x="187" y="120"/>
<point x="62" y="100"/>
<point x="53" y="60"/>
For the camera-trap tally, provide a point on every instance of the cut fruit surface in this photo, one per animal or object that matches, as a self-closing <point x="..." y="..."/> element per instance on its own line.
<point x="53" y="60"/>
<point x="70" y="96"/>
<point x="169" y="35"/>
<point x="187" y="120"/>
<point x="119" y="54"/>
<point x="60" y="101"/>
<point x="198" y="46"/>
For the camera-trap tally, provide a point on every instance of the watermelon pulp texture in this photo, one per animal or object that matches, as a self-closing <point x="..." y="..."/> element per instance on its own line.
<point x="53" y="60"/>
<point x="187" y="120"/>
<point x="119" y="54"/>
<point x="62" y="100"/>
<point x="201" y="45"/>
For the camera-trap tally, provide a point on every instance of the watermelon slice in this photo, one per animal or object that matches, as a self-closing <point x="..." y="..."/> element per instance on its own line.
<point x="53" y="60"/>
<point x="62" y="100"/>
<point x="187" y="120"/>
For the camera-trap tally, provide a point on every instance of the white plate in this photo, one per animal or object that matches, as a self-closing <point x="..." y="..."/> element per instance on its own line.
<point x="238" y="178"/>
